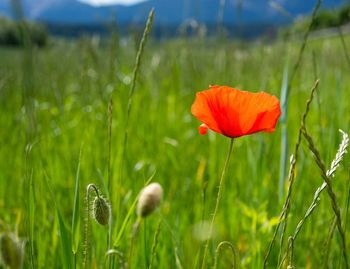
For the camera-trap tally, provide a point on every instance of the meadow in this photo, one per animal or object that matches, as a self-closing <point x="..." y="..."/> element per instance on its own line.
<point x="63" y="112"/>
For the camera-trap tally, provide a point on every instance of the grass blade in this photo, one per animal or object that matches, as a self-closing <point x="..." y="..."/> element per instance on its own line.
<point x="131" y="94"/>
<point x="64" y="233"/>
<point x="230" y="247"/>
<point x="154" y="246"/>
<point x="65" y="241"/>
<point x="327" y="180"/>
<point x="284" y="137"/>
<point x="128" y="215"/>
<point x="291" y="176"/>
<point x="31" y="217"/>
<point x="303" y="45"/>
<point x="76" y="211"/>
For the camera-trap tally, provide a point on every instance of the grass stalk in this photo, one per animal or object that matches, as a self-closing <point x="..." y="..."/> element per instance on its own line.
<point x="110" y="121"/>
<point x="327" y="244"/>
<point x="30" y="205"/>
<point x="128" y="216"/>
<point x="347" y="57"/>
<point x="330" y="173"/>
<point x="145" y="249"/>
<point x="347" y="203"/>
<point x="131" y="94"/>
<point x="154" y="245"/>
<point x="136" y="72"/>
<point x="118" y="255"/>
<point x="64" y="232"/>
<point x="330" y="191"/>
<point x="293" y="160"/>
<point x="292" y="175"/>
<point x="318" y="99"/>
<point x="291" y="252"/>
<point x="233" y="250"/>
<point x="110" y="183"/>
<point x="89" y="189"/>
<point x="132" y="238"/>
<point x="303" y="44"/>
<point x="284" y="134"/>
<point x="286" y="86"/>
<point x="218" y="198"/>
<point x="76" y="216"/>
<point x="31" y="210"/>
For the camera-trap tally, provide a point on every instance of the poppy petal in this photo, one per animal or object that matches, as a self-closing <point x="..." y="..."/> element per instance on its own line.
<point x="235" y="113"/>
<point x="201" y="110"/>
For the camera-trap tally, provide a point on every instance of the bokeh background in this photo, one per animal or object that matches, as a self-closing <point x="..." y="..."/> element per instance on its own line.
<point x="66" y="72"/>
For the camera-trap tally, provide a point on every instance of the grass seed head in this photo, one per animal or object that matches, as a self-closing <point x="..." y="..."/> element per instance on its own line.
<point x="101" y="210"/>
<point x="11" y="250"/>
<point x="149" y="199"/>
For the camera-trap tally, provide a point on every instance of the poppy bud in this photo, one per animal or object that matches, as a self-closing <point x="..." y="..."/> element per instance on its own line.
<point x="149" y="199"/>
<point x="11" y="250"/>
<point x="203" y="129"/>
<point x="101" y="210"/>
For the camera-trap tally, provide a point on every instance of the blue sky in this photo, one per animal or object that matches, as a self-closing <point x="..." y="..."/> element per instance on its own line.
<point x="109" y="2"/>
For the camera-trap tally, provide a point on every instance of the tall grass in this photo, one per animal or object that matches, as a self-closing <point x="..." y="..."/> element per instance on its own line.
<point x="70" y="103"/>
<point x="291" y="177"/>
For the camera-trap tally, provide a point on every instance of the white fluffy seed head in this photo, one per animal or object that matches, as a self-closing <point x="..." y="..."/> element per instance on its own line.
<point x="149" y="199"/>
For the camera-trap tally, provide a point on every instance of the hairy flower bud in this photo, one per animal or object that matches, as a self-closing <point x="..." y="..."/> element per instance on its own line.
<point x="101" y="210"/>
<point x="149" y="199"/>
<point x="11" y="251"/>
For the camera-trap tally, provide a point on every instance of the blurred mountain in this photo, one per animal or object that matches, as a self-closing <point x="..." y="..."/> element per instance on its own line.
<point x="168" y="12"/>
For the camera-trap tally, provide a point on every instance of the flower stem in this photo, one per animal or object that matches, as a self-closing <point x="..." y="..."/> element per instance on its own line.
<point x="218" y="198"/>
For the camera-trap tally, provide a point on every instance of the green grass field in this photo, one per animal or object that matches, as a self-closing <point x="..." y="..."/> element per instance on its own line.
<point x="54" y="104"/>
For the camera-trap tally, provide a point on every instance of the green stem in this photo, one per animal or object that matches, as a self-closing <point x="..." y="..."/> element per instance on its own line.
<point x="218" y="198"/>
<point x="136" y="227"/>
<point x="131" y="94"/>
<point x="154" y="245"/>
<point x="145" y="251"/>
<point x="89" y="188"/>
<point x="217" y="252"/>
<point x="109" y="175"/>
<point x="330" y="191"/>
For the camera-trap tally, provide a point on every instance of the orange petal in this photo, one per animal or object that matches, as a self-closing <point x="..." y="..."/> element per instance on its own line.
<point x="235" y="113"/>
<point x="203" y="129"/>
<point x="202" y="111"/>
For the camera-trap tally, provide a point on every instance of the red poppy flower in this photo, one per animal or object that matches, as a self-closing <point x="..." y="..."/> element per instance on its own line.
<point x="235" y="113"/>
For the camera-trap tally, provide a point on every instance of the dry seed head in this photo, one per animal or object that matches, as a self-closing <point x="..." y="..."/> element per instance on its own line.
<point x="11" y="250"/>
<point x="101" y="210"/>
<point x="149" y="199"/>
<point x="342" y="150"/>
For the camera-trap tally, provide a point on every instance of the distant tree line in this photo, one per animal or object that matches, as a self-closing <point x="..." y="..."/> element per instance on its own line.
<point x="324" y="19"/>
<point x="15" y="33"/>
<point x="332" y="18"/>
